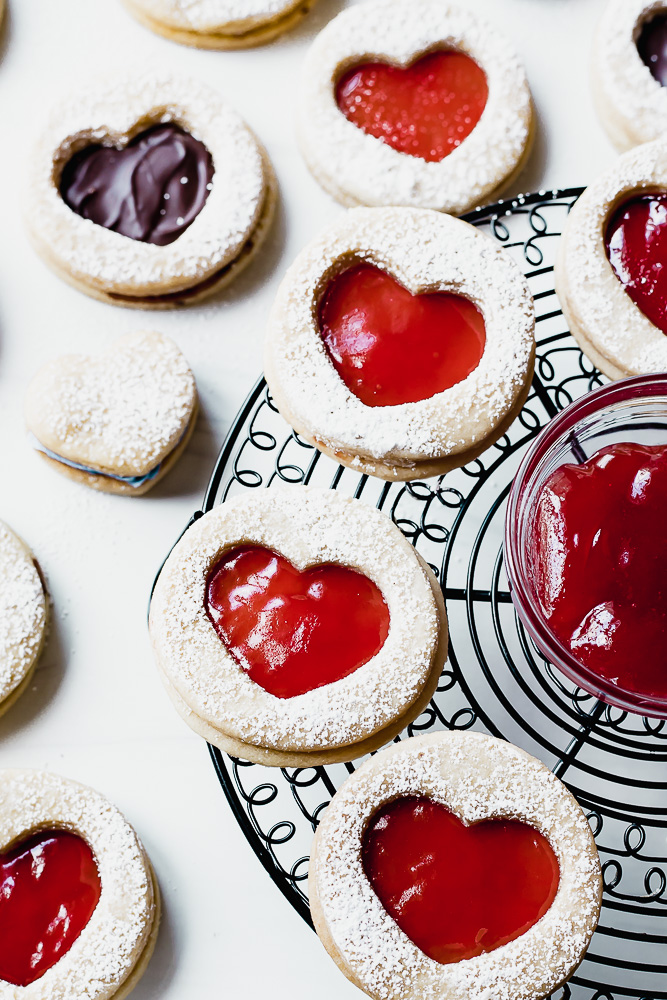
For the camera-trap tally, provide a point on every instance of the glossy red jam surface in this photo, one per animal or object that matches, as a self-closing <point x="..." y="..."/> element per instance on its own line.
<point x="292" y="631"/>
<point x="49" y="888"/>
<point x="599" y="555"/>
<point x="458" y="891"/>
<point x="425" y="110"/>
<point x="636" y="242"/>
<point x="392" y="347"/>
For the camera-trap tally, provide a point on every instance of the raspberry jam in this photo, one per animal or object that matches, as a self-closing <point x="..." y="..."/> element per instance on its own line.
<point x="294" y="631"/>
<point x="49" y="888"/>
<point x="636" y="241"/>
<point x="599" y="551"/>
<point x="392" y="347"/>
<point x="652" y="46"/>
<point x="425" y="110"/>
<point x="457" y="891"/>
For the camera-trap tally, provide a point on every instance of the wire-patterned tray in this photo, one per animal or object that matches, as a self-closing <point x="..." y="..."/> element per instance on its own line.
<point x="495" y="680"/>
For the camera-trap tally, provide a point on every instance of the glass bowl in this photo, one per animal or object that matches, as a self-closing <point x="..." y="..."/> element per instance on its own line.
<point x="633" y="409"/>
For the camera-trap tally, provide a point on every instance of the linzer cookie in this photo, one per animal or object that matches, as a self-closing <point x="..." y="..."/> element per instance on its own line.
<point x="246" y="627"/>
<point x="117" y="422"/>
<point x="23" y="616"/>
<point x="630" y="71"/>
<point x="79" y="903"/>
<point x="220" y="24"/>
<point x="150" y="193"/>
<point x="414" y="102"/>
<point x="401" y="342"/>
<point x="455" y="866"/>
<point x="610" y="273"/>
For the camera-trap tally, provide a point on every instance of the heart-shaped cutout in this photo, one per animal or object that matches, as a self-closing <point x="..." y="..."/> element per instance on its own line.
<point x="49" y="888"/>
<point x="293" y="631"/>
<point x="426" y="109"/>
<point x="457" y="891"/>
<point x="391" y="347"/>
<point x="636" y="242"/>
<point x="652" y="46"/>
<point x="150" y="190"/>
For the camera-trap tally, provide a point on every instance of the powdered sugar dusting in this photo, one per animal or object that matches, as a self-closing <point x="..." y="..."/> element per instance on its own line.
<point x="106" y="952"/>
<point x="22" y="611"/>
<point x="476" y="777"/>
<point x="361" y="169"/>
<point x="425" y="251"/>
<point x="308" y="526"/>
<point x="121" y="412"/>
<point x="215" y="15"/>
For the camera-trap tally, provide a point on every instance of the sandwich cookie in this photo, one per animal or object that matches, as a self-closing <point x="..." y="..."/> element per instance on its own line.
<point x="79" y="903"/>
<point x="246" y="624"/>
<point x="151" y="193"/>
<point x="220" y="24"/>
<point x="23" y="616"/>
<point x="610" y="272"/>
<point x="401" y="342"/>
<point x="455" y="867"/>
<point x="117" y="422"/>
<point x="414" y="102"/>
<point x="629" y="73"/>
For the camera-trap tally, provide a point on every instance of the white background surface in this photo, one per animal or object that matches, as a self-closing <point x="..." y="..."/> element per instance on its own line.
<point x="97" y="711"/>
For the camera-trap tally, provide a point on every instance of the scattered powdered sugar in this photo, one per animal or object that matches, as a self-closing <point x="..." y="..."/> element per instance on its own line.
<point x="115" y="113"/>
<point x="23" y="611"/>
<point x="108" y="948"/>
<point x="308" y="526"/>
<point x="361" y="169"/>
<point x="476" y="777"/>
<point x="426" y="251"/>
<point x="215" y="15"/>
<point x="122" y="412"/>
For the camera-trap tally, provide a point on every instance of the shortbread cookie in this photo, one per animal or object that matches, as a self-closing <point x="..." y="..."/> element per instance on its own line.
<point x="610" y="274"/>
<point x="246" y="628"/>
<point x="150" y="193"/>
<point x="455" y="866"/>
<point x="414" y="102"/>
<point x="79" y="903"/>
<point x="220" y="24"/>
<point x="629" y="74"/>
<point x="401" y="342"/>
<point x="117" y="422"/>
<point x="23" y="616"/>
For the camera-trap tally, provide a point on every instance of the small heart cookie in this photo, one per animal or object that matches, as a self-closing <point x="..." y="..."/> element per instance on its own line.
<point x="220" y="24"/>
<point x="150" y="192"/>
<point x="79" y="902"/>
<point x="117" y="422"/>
<point x="23" y="616"/>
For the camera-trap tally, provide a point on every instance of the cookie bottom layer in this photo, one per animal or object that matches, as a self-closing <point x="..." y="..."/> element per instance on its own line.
<point x="145" y="956"/>
<point x="260" y="34"/>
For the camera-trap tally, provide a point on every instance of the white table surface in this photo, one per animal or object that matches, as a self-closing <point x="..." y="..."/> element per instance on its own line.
<point x="97" y="711"/>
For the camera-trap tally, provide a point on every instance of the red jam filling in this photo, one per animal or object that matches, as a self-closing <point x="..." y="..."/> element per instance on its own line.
<point x="636" y="241"/>
<point x="457" y="891"/>
<point x="599" y="551"/>
<point x="425" y="110"/>
<point x="652" y="46"/>
<point x="294" y="631"/>
<point x="392" y="347"/>
<point x="49" y="888"/>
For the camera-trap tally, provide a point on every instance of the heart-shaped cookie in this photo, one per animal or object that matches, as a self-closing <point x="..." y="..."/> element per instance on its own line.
<point x="636" y="241"/>
<point x="284" y="625"/>
<point x="79" y="905"/>
<point x="117" y="421"/>
<point x="454" y="865"/>
<point x="149" y="193"/>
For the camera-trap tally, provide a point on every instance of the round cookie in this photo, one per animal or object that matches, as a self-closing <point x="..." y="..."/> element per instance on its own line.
<point x="23" y="616"/>
<point x="476" y="778"/>
<point x="374" y="157"/>
<point x="421" y="253"/>
<point x="117" y="422"/>
<point x="66" y="848"/>
<point x="220" y="24"/>
<point x="149" y="192"/>
<point x="231" y="700"/>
